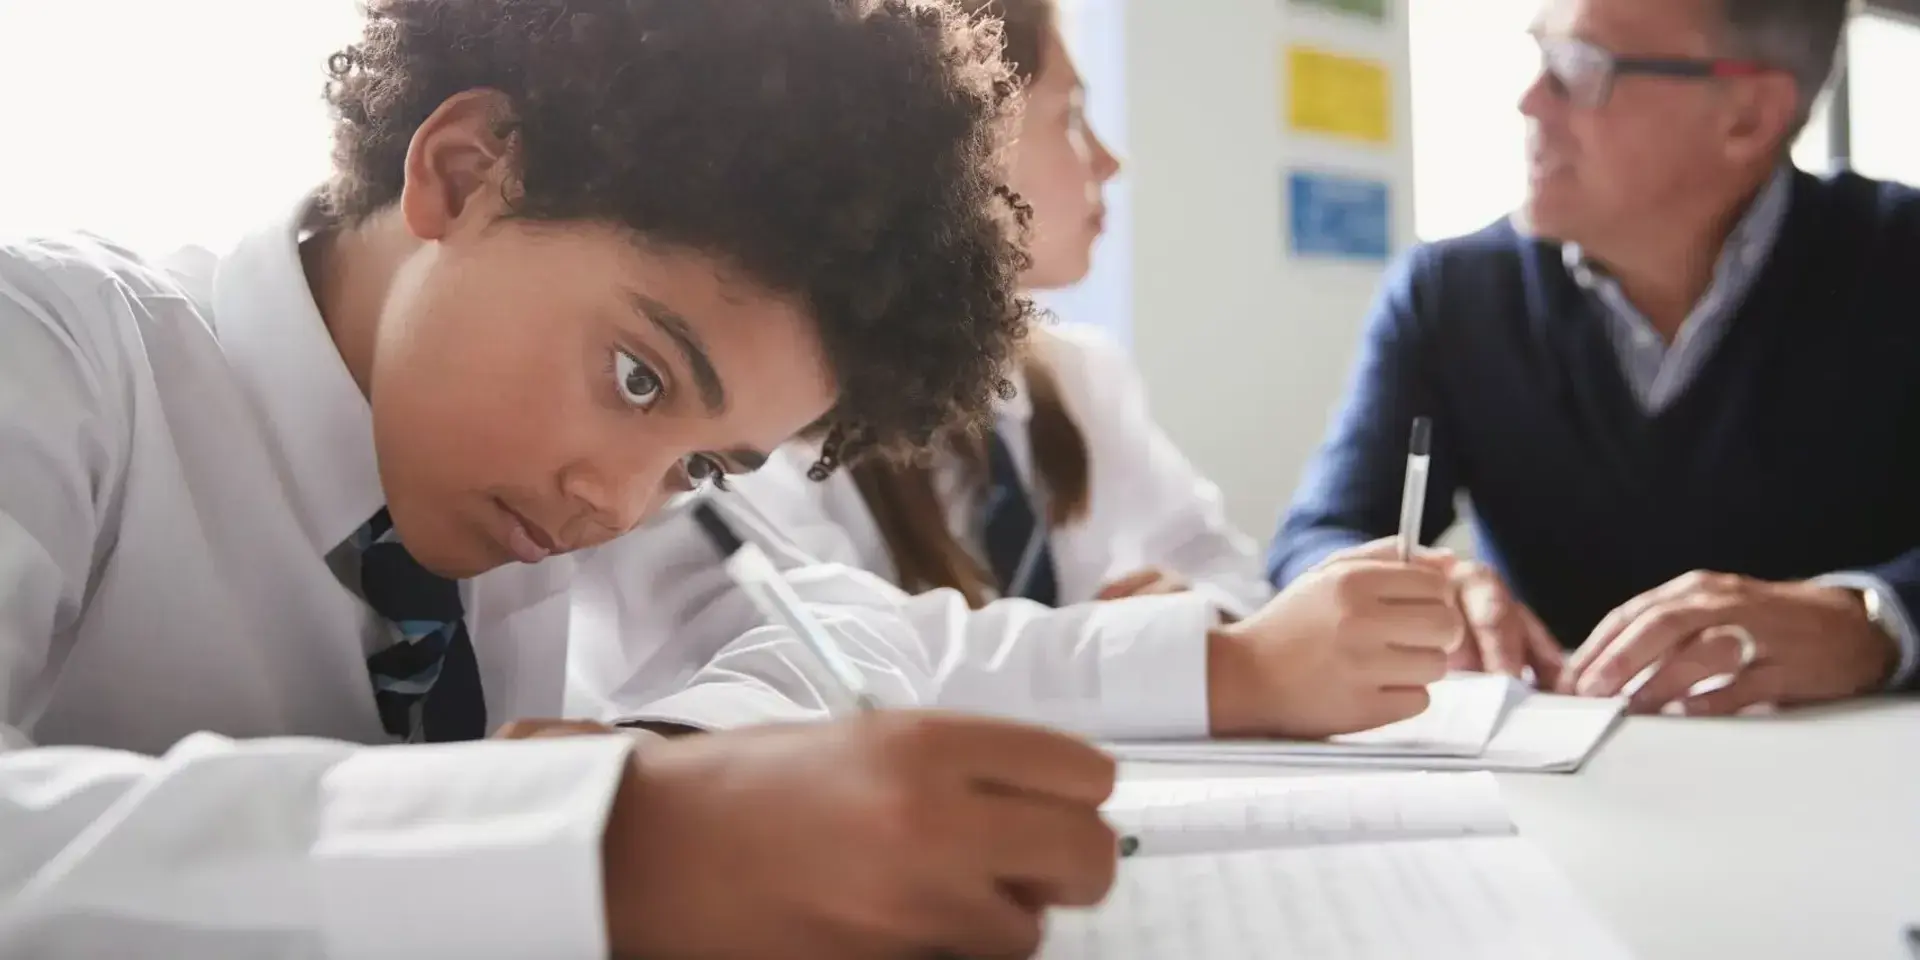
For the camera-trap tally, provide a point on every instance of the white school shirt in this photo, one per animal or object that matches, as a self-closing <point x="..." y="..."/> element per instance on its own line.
<point x="178" y="453"/>
<point x="1132" y="668"/>
<point x="191" y="763"/>
<point x="1148" y="505"/>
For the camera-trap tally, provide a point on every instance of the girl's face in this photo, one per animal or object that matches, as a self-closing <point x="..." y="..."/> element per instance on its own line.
<point x="1059" y="168"/>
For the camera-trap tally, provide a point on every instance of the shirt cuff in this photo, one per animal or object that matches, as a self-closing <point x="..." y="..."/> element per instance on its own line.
<point x="1153" y="666"/>
<point x="476" y="849"/>
<point x="1226" y="606"/>
<point x="1894" y="616"/>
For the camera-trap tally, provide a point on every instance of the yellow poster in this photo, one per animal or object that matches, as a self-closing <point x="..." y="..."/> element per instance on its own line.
<point x="1339" y="96"/>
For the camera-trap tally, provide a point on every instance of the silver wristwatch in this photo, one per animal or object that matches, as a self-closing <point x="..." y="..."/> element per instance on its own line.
<point x="1876" y="611"/>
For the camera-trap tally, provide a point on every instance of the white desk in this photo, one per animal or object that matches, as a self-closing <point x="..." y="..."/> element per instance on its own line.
<point x="1790" y="837"/>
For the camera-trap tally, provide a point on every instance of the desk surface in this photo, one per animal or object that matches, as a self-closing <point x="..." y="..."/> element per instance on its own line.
<point x="1784" y="837"/>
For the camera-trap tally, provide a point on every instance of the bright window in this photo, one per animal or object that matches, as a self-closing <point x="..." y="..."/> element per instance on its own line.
<point x="1471" y="59"/>
<point x="158" y="123"/>
<point x="1885" y="60"/>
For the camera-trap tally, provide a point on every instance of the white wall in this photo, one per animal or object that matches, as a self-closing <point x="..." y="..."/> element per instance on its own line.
<point x="1244" y="351"/>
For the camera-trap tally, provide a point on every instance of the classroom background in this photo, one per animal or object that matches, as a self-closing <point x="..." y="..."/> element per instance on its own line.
<point x="1278" y="154"/>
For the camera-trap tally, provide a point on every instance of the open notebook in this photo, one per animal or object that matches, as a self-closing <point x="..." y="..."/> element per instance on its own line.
<point x="1475" y="722"/>
<point x="1348" y="868"/>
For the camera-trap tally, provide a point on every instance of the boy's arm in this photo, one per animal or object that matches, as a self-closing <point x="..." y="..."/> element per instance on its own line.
<point x="670" y="638"/>
<point x="222" y="847"/>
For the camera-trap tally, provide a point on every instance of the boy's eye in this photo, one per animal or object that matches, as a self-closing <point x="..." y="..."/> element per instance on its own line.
<point x="639" y="387"/>
<point x="702" y="469"/>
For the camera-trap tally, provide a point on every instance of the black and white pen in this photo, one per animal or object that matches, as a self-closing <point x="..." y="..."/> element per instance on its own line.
<point x="754" y="571"/>
<point x="1413" y="496"/>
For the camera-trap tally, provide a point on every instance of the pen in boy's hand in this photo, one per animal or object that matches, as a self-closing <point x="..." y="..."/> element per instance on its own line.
<point x="760" y="580"/>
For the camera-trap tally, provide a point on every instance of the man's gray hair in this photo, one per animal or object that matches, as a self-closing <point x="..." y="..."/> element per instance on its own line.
<point x="1799" y="36"/>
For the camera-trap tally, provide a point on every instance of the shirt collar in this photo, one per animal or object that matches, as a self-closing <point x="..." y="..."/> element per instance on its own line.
<point x="1747" y="245"/>
<point x="318" y="424"/>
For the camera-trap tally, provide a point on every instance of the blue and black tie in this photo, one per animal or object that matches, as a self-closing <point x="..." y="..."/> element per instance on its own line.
<point x="427" y="685"/>
<point x="1014" y="530"/>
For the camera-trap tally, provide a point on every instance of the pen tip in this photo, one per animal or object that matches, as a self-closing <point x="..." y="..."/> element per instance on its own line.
<point x="1422" y="442"/>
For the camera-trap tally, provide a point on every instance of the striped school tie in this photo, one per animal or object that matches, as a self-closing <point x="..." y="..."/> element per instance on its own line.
<point x="427" y="684"/>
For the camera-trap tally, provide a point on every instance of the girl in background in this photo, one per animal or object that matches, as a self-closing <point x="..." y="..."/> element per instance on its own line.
<point x="1077" y="494"/>
<point x="995" y="543"/>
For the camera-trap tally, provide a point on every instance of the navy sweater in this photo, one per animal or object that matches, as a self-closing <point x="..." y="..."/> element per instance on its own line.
<point x="1795" y="452"/>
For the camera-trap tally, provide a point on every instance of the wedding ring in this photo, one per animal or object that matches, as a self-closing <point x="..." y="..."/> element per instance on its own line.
<point x="1749" y="647"/>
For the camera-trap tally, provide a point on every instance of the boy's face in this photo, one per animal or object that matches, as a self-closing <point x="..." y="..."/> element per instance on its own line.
<point x="541" y="388"/>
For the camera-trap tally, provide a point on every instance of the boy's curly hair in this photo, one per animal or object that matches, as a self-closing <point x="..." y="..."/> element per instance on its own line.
<point x="845" y="152"/>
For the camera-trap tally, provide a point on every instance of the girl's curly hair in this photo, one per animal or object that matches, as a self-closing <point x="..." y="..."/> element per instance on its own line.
<point x="845" y="152"/>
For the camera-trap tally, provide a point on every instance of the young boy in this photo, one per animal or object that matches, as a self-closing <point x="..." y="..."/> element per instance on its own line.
<point x="577" y="256"/>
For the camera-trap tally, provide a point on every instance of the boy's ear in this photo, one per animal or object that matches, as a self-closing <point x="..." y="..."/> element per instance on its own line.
<point x="459" y="164"/>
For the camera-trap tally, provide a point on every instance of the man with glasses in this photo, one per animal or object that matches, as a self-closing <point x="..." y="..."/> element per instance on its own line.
<point x="1681" y="384"/>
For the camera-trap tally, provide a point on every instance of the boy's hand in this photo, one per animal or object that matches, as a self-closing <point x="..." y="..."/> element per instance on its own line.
<point x="892" y="835"/>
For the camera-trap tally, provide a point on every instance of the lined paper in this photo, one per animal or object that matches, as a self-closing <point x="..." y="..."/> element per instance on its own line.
<point x="1168" y="817"/>
<point x="1546" y="733"/>
<point x="1489" y="898"/>
<point x="1460" y="720"/>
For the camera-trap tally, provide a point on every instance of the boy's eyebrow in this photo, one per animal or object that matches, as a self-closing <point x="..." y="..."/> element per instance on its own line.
<point x="713" y="394"/>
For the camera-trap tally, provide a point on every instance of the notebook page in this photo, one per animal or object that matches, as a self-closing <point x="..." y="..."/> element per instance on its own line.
<point x="1464" y="711"/>
<point x="1493" y="898"/>
<point x="1461" y="719"/>
<point x="1547" y="733"/>
<point x="1167" y="817"/>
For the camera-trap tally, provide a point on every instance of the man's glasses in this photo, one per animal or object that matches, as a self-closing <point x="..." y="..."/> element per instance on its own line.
<point x="1584" y="74"/>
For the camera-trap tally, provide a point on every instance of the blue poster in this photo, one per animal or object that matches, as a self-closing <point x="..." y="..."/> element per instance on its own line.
<point x="1336" y="216"/>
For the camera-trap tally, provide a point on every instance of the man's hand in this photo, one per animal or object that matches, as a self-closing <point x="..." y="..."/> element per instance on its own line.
<point x="892" y="835"/>
<point x="1808" y="643"/>
<point x="1502" y="635"/>
<point x="1152" y="581"/>
<point x="1349" y="646"/>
